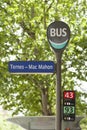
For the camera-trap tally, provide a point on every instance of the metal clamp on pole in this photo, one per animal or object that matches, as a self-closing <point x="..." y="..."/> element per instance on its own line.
<point x="67" y="129"/>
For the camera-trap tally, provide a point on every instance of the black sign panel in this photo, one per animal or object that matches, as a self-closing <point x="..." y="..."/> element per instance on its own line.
<point x="69" y="105"/>
<point x="58" y="34"/>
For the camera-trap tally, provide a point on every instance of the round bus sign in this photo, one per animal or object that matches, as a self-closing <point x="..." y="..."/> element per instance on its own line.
<point x="58" y="34"/>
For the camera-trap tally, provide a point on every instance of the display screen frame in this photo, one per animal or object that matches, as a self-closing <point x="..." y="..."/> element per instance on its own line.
<point x="69" y="109"/>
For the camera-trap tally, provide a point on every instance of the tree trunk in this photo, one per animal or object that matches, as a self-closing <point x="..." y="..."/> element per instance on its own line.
<point x="46" y="108"/>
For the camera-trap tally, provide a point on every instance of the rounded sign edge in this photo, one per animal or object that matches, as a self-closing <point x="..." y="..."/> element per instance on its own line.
<point x="58" y="47"/>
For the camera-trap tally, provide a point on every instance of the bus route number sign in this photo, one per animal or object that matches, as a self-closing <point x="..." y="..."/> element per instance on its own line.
<point x="69" y="105"/>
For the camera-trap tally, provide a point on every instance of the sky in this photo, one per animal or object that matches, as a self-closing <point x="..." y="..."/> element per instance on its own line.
<point x="83" y="87"/>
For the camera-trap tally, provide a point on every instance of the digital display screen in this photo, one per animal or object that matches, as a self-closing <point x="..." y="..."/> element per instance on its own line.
<point x="69" y="105"/>
<point x="69" y="110"/>
<point x="69" y="94"/>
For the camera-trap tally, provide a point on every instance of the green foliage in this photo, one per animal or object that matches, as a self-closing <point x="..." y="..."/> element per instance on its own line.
<point x="4" y="125"/>
<point x="83" y="124"/>
<point x="23" y="27"/>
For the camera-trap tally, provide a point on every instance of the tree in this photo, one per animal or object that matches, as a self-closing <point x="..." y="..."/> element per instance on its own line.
<point x="23" y="37"/>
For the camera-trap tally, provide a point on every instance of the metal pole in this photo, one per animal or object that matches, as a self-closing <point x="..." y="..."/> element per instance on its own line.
<point x="29" y="126"/>
<point x="58" y="91"/>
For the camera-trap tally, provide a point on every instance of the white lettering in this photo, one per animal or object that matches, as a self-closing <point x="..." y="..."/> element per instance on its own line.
<point x="58" y="32"/>
<point x="32" y="66"/>
<point x="45" y="67"/>
<point x="52" y="32"/>
<point x="64" y="32"/>
<point x="16" y="66"/>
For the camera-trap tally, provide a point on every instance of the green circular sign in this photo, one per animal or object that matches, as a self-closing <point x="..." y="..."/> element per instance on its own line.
<point x="58" y="34"/>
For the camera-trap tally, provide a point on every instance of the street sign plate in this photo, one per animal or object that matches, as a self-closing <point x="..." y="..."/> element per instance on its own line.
<point x="31" y="67"/>
<point x="69" y="105"/>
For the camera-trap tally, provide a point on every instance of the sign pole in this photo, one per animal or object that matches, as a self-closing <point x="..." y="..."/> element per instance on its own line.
<point x="58" y="91"/>
<point x="58" y="34"/>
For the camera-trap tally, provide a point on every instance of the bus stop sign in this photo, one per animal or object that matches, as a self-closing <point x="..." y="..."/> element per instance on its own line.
<point x="58" y="34"/>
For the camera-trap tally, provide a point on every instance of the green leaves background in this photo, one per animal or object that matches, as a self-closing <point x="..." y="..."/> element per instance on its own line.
<point x="23" y="27"/>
